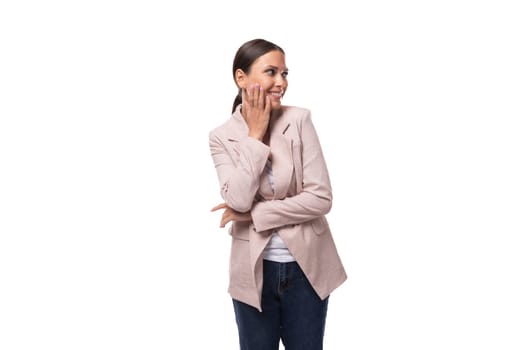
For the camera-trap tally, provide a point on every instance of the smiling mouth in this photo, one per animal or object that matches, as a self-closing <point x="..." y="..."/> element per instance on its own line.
<point x="276" y="94"/>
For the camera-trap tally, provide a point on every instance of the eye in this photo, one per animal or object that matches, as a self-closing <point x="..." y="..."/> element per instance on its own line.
<point x="270" y="72"/>
<point x="285" y="74"/>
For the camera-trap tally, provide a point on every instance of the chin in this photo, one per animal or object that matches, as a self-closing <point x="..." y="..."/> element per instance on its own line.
<point x="276" y="106"/>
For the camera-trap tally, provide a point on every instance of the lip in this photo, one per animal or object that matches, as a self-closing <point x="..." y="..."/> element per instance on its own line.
<point x="276" y="94"/>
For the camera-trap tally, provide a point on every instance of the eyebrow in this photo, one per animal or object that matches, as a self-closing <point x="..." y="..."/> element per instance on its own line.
<point x="275" y="67"/>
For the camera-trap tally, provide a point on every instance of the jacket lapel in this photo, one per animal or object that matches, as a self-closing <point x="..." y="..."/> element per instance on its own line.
<point x="282" y="160"/>
<point x="282" y="164"/>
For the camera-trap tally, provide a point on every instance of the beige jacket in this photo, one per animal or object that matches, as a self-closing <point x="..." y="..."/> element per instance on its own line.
<point x="296" y="209"/>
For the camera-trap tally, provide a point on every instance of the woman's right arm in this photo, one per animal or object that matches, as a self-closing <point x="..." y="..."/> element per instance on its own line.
<point x="239" y="180"/>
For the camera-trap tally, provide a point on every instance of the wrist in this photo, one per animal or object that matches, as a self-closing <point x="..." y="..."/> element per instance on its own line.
<point x="256" y="136"/>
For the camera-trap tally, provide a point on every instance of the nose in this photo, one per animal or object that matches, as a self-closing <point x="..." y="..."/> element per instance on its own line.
<point x="279" y="80"/>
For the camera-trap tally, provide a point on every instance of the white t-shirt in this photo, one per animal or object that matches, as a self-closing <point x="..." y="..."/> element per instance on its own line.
<point x="276" y="249"/>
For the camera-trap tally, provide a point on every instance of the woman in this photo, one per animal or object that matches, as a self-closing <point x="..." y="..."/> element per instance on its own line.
<point x="276" y="190"/>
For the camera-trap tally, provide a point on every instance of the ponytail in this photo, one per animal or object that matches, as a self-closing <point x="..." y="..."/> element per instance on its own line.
<point x="237" y="101"/>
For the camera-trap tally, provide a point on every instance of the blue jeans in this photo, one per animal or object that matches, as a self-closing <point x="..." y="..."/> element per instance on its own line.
<point x="291" y="311"/>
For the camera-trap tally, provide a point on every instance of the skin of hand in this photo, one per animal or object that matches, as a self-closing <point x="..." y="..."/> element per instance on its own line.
<point x="231" y="215"/>
<point x="256" y="108"/>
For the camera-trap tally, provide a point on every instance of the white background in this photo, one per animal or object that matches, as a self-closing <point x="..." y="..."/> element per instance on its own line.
<point x="106" y="182"/>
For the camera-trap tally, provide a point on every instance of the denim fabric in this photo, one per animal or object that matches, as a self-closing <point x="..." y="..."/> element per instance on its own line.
<point x="291" y="312"/>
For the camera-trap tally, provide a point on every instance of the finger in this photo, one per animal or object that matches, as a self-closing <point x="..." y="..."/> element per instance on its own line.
<point x="255" y="97"/>
<point x="268" y="105"/>
<point x="245" y="97"/>
<point x="249" y="96"/>
<point x="219" y="206"/>
<point x="262" y="98"/>
<point x="226" y="218"/>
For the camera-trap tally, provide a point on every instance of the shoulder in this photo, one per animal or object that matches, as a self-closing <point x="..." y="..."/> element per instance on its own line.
<point x="225" y="129"/>
<point x="298" y="116"/>
<point x="295" y="113"/>
<point x="217" y="130"/>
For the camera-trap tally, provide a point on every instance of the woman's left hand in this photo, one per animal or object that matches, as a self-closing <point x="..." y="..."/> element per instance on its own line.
<point x="231" y="215"/>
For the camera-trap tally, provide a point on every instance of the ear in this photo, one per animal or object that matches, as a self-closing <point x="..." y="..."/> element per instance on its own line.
<point x="240" y="78"/>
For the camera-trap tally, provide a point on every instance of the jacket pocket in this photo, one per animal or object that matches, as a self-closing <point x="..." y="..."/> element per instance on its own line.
<point x="319" y="225"/>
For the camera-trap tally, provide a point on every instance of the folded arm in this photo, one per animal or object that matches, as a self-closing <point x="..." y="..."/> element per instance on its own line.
<point x="313" y="201"/>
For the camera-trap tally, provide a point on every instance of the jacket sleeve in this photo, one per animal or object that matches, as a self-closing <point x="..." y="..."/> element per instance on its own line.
<point x="313" y="201"/>
<point x="239" y="179"/>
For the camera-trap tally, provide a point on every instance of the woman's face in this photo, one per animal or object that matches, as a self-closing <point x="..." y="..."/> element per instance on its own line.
<point x="270" y="72"/>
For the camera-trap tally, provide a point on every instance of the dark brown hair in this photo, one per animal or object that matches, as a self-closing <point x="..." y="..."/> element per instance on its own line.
<point x="246" y="55"/>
